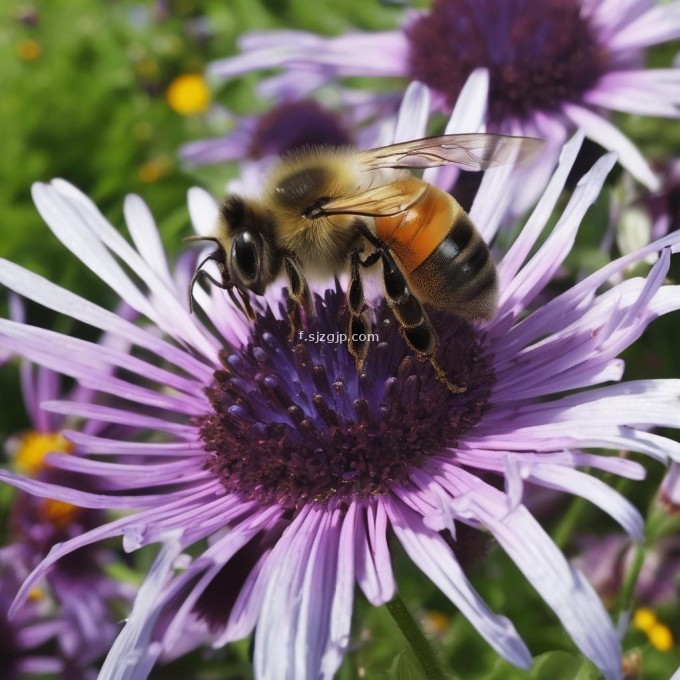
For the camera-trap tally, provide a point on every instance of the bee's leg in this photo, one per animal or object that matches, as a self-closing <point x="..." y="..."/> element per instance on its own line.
<point x="415" y="324"/>
<point x="298" y="296"/>
<point x="359" y="322"/>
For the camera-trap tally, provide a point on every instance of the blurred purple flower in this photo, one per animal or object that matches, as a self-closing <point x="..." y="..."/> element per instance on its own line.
<point x="295" y="123"/>
<point x="606" y="560"/>
<point x="27" y="640"/>
<point x="294" y="469"/>
<point x="78" y="585"/>
<point x="554" y="65"/>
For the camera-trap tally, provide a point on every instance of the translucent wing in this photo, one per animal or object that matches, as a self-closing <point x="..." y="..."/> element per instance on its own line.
<point x="470" y="152"/>
<point x="381" y="201"/>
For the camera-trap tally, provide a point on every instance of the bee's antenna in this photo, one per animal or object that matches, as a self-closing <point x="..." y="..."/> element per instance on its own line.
<point x="215" y="255"/>
<point x="196" y="237"/>
<point x="247" y="307"/>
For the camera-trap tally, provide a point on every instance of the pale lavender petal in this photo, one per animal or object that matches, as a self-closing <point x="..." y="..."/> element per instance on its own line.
<point x="343" y="597"/>
<point x="520" y="249"/>
<point x="610" y="137"/>
<point x="97" y="357"/>
<point x="659" y="24"/>
<point x="133" y="654"/>
<point x="107" y="414"/>
<point x="294" y="84"/>
<point x="275" y="655"/>
<point x="146" y="238"/>
<point x="413" y="113"/>
<point x="202" y="210"/>
<point x="663" y="100"/>
<point x="595" y="490"/>
<point x="468" y="116"/>
<point x="565" y="589"/>
<point x="246" y="609"/>
<point x="184" y="472"/>
<point x="312" y="623"/>
<point x="344" y="55"/>
<point x="39" y="665"/>
<point x="540" y="269"/>
<point x="372" y="554"/>
<point x="81" y="499"/>
<point x="167" y="311"/>
<point x="429" y="552"/>
<point x="73" y="231"/>
<point x="671" y="484"/>
<point x="44" y="292"/>
<point x="93" y="444"/>
<point x="234" y="146"/>
<point x="492" y="200"/>
<point x="211" y="562"/>
<point x="37" y="634"/>
<point x="29" y="392"/>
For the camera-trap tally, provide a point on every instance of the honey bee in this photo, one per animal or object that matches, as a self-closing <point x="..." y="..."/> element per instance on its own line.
<point x="325" y="211"/>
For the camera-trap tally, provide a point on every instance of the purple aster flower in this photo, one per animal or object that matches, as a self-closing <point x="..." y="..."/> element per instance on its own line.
<point x="27" y="640"/>
<point x="295" y="123"/>
<point x="605" y="560"/>
<point x="554" y="65"/>
<point x="289" y="469"/>
<point x="78" y="585"/>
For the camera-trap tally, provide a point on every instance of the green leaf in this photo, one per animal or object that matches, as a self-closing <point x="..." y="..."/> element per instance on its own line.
<point x="405" y="667"/>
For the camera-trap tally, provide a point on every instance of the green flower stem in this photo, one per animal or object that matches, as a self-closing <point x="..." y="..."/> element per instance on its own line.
<point x="567" y="524"/>
<point x="630" y="581"/>
<point x="416" y="638"/>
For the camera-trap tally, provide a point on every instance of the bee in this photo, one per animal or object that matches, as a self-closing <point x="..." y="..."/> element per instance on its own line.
<point x="325" y="211"/>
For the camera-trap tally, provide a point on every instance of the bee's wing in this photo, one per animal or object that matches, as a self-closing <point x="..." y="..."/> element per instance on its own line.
<point x="382" y="201"/>
<point x="470" y="152"/>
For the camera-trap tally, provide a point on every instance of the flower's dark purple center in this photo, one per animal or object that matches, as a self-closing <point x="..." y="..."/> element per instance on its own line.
<point x="294" y="423"/>
<point x="539" y="55"/>
<point x="297" y="124"/>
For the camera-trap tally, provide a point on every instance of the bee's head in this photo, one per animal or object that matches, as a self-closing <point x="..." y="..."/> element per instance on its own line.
<point x="253" y="260"/>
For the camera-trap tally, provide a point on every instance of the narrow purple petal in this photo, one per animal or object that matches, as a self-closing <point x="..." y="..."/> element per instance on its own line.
<point x="659" y="24"/>
<point x="564" y="588"/>
<point x="413" y="113"/>
<point x="107" y="414"/>
<point x="592" y="489"/>
<point x="468" y="116"/>
<point x="520" y="249"/>
<point x="45" y="293"/>
<point x="96" y="356"/>
<point x="671" y="484"/>
<point x="429" y="552"/>
<point x="343" y="597"/>
<point x="133" y="654"/>
<point x="542" y="266"/>
<point x="170" y="313"/>
<point x="146" y="238"/>
<point x="610" y="137"/>
<point x="215" y="558"/>
<point x="373" y="565"/>
<point x="96" y="445"/>
<point x="277" y="628"/>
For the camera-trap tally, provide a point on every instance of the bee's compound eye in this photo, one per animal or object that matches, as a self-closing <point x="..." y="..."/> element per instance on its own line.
<point x="245" y="256"/>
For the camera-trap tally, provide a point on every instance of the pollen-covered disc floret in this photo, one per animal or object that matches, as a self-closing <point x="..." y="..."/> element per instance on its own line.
<point x="543" y="59"/>
<point x="294" y="423"/>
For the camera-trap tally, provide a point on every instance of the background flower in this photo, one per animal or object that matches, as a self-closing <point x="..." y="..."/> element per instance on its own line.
<point x="565" y="66"/>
